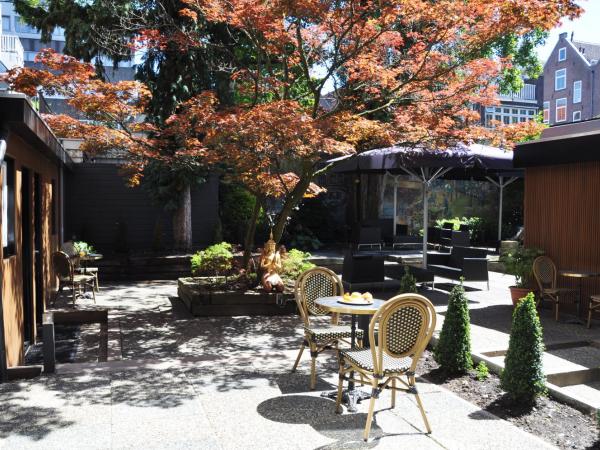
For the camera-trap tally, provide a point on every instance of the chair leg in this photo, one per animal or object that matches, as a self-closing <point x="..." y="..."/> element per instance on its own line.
<point x="556" y="310"/>
<point x="371" y="411"/>
<point x="97" y="284"/>
<point x="298" y="358"/>
<point x="393" y="393"/>
<point x="313" y="366"/>
<point x="74" y="293"/>
<point x="338" y="398"/>
<point x="589" y="321"/>
<point x="93" y="293"/>
<point x="420" y="405"/>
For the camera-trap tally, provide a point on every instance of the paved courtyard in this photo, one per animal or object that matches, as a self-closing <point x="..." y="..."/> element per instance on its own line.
<point x="174" y="381"/>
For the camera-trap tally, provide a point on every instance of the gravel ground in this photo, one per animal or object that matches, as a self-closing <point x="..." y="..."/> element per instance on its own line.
<point x="556" y="423"/>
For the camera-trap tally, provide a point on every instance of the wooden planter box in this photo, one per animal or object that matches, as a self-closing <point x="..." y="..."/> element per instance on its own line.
<point x="252" y="302"/>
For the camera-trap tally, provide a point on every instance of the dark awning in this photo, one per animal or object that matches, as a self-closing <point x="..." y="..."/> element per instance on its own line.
<point x="463" y="162"/>
<point x="564" y="144"/>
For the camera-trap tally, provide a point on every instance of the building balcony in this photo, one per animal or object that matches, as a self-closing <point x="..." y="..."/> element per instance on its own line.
<point x="526" y="95"/>
<point x="11" y="51"/>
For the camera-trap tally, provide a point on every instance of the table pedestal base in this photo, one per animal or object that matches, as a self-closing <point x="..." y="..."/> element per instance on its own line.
<point x="351" y="397"/>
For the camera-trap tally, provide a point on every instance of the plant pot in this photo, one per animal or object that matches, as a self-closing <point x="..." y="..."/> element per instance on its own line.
<point x="517" y="293"/>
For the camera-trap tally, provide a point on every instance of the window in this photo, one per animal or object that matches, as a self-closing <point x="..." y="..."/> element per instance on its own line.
<point x="5" y="23"/>
<point x="561" y="110"/>
<point x="577" y="91"/>
<point x="8" y="207"/>
<point x="508" y="115"/>
<point x="576" y="116"/>
<point x="546" y="112"/>
<point x="560" y="79"/>
<point x="562" y="54"/>
<point x="22" y="27"/>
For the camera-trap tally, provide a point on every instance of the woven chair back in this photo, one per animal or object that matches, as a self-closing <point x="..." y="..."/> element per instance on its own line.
<point x="312" y="284"/>
<point x="406" y="324"/>
<point x="61" y="265"/>
<point x="544" y="272"/>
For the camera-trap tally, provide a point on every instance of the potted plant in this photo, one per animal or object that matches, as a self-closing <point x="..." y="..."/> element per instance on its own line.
<point x="520" y="264"/>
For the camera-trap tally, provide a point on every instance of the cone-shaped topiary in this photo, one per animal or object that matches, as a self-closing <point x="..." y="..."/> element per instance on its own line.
<point x="408" y="283"/>
<point x="453" y="352"/>
<point x="523" y="378"/>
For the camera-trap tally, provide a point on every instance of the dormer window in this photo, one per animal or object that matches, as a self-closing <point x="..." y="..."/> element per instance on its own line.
<point x="562" y="54"/>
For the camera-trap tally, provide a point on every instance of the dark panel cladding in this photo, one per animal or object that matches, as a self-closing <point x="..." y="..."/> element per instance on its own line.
<point x="97" y="201"/>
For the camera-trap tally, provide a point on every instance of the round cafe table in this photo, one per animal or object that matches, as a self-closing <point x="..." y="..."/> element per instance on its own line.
<point x="579" y="275"/>
<point x="333" y="305"/>
<point x="85" y="259"/>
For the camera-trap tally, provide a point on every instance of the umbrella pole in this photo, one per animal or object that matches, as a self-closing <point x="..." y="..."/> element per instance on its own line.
<point x="500" y="209"/>
<point x="395" y="204"/>
<point x="501" y="184"/>
<point x="425" y="220"/>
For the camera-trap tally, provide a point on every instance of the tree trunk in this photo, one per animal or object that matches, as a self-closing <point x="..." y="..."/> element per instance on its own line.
<point x="182" y="221"/>
<point x="250" y="232"/>
<point x="290" y="203"/>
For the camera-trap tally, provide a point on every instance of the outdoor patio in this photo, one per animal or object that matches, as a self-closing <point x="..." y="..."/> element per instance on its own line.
<point x="175" y="381"/>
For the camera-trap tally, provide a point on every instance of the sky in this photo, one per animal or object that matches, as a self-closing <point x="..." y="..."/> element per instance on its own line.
<point x="586" y="28"/>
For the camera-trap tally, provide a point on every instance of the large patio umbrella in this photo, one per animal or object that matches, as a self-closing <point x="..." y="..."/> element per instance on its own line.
<point x="473" y="161"/>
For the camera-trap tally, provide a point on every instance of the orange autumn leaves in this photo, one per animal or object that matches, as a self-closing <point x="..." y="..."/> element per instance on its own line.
<point x="411" y="71"/>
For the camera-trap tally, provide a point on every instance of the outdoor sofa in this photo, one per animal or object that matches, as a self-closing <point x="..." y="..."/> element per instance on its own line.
<point x="462" y="262"/>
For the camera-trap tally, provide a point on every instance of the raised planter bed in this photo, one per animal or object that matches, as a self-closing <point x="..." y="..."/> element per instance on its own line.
<point x="200" y="300"/>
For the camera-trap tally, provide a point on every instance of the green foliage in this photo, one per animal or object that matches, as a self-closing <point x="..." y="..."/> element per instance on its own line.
<point x="305" y="239"/>
<point x="294" y="263"/>
<point x="453" y="352"/>
<point x="481" y="371"/>
<point x="83" y="247"/>
<point x="215" y="259"/>
<point x="520" y="264"/>
<point x="523" y="376"/>
<point x="235" y="209"/>
<point x="475" y="225"/>
<point x="165" y="183"/>
<point x="158" y="236"/>
<point x="408" y="283"/>
<point x="121" y="241"/>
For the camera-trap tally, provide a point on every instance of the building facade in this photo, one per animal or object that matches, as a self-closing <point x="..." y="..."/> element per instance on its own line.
<point x="571" y="82"/>
<point x="26" y="39"/>
<point x="516" y="107"/>
<point x="11" y="49"/>
<point x="32" y="175"/>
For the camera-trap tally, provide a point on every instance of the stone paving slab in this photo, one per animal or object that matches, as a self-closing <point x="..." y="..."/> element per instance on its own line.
<point x="225" y="383"/>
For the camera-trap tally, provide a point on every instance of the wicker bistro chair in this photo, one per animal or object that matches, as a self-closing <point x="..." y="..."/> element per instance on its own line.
<point x="406" y="323"/>
<point x="544" y="272"/>
<point x="594" y="306"/>
<point x="79" y="269"/>
<point x="65" y="272"/>
<point x="312" y="284"/>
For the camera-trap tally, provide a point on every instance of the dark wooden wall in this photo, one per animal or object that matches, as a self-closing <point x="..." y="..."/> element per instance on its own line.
<point x="562" y="217"/>
<point x="97" y="199"/>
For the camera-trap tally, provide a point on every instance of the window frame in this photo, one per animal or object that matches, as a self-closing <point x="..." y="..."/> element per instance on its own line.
<point x="562" y="52"/>
<point x="579" y="113"/>
<point x="575" y="89"/>
<point x="546" y="112"/>
<point x="563" y="77"/>
<point x="557" y="119"/>
<point x="9" y="29"/>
